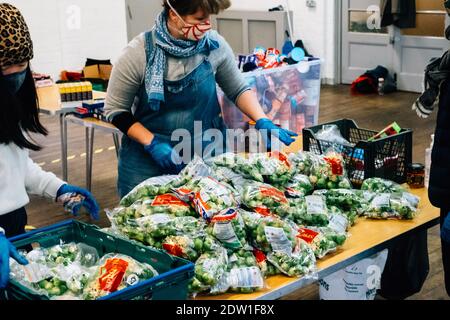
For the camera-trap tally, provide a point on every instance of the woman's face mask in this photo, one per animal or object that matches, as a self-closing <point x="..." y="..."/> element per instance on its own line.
<point x="193" y="32"/>
<point x="15" y="81"/>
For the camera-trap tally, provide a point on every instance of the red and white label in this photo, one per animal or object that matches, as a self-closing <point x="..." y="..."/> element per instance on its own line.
<point x="273" y="193"/>
<point x="307" y="235"/>
<point x="112" y="274"/>
<point x="168" y="200"/>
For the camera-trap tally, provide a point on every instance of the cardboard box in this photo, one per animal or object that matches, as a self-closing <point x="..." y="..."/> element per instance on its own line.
<point x="99" y="71"/>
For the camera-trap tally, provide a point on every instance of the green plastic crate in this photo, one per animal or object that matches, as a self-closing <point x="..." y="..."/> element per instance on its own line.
<point x="171" y="283"/>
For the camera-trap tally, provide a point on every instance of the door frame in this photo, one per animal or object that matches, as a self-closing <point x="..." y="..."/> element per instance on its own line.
<point x="338" y="42"/>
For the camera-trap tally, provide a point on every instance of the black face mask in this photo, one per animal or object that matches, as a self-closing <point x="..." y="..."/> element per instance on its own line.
<point x="14" y="81"/>
<point x="447" y="7"/>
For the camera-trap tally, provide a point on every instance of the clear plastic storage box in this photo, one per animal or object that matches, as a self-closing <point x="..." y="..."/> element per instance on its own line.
<point x="289" y="95"/>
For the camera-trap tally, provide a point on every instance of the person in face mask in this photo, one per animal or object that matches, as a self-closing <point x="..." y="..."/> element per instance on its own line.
<point x="19" y="116"/>
<point x="165" y="83"/>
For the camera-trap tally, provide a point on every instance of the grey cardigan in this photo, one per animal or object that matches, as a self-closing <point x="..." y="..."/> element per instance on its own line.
<point x="128" y="73"/>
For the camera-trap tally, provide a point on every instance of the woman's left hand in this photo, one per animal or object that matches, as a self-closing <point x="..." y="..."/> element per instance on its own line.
<point x="88" y="200"/>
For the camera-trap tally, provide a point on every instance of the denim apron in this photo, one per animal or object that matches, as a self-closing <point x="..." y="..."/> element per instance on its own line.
<point x="191" y="99"/>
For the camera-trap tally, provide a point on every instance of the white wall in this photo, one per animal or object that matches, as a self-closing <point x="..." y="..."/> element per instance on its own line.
<point x="315" y="26"/>
<point x="102" y="33"/>
<point x="66" y="32"/>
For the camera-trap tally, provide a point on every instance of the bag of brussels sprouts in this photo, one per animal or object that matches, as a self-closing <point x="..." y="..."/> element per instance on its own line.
<point x="240" y="165"/>
<point x="299" y="186"/>
<point x="322" y="240"/>
<point x="266" y="267"/>
<point x="309" y="211"/>
<point x="208" y="271"/>
<point x="116" y="272"/>
<point x="301" y="262"/>
<point x="269" y="233"/>
<point x="349" y="201"/>
<point x="273" y="166"/>
<point x="195" y="169"/>
<point x="208" y="196"/>
<point x="328" y="172"/>
<point x="151" y="188"/>
<point x="243" y="275"/>
<point x="265" y="199"/>
<point x="393" y="206"/>
<point x="380" y="185"/>
<point x="228" y="227"/>
<point x="302" y="162"/>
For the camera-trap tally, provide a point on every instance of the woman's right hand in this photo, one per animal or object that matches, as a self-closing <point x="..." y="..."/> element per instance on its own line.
<point x="165" y="156"/>
<point x="7" y="250"/>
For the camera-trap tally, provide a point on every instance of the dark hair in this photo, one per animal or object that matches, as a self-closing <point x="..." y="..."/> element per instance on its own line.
<point x="19" y="114"/>
<point x="187" y="7"/>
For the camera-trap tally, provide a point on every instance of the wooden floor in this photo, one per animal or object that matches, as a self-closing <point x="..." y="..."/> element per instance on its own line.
<point x="372" y="112"/>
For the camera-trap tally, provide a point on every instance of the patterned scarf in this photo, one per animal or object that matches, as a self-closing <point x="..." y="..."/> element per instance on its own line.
<point x="167" y="44"/>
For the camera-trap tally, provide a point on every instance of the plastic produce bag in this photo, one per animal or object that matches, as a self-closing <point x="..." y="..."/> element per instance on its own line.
<point x="116" y="272"/>
<point x="359" y="281"/>
<point x="351" y="204"/>
<point x="274" y="167"/>
<point x="195" y="169"/>
<point x="190" y="245"/>
<point x="266" y="267"/>
<point x="265" y="199"/>
<point x="240" y="165"/>
<point x="228" y="227"/>
<point x="322" y="240"/>
<point x="393" y="206"/>
<point x="299" y="186"/>
<point x="299" y="263"/>
<point x="151" y="188"/>
<point x="380" y="185"/>
<point x="208" y="196"/>
<point x="269" y="233"/>
<point x="243" y="275"/>
<point x="328" y="172"/>
<point x="331" y="133"/>
<point x="309" y="211"/>
<point x="209" y="270"/>
<point x="302" y="162"/>
<point x="162" y="204"/>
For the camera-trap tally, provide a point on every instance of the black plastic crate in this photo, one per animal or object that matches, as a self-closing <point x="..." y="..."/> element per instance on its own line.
<point x="385" y="158"/>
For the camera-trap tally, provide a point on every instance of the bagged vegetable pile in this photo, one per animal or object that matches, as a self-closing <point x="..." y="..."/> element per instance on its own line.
<point x="393" y="206"/>
<point x="74" y="271"/>
<point x="328" y="172"/>
<point x="240" y="165"/>
<point x="273" y="166"/>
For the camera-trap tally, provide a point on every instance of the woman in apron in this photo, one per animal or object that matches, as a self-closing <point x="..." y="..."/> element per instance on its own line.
<point x="164" y="86"/>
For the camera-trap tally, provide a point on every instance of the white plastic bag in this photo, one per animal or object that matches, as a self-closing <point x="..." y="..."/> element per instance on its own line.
<point x="359" y="281"/>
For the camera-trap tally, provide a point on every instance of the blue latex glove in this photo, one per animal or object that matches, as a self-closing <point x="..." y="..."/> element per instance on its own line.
<point x="285" y="136"/>
<point x="7" y="250"/>
<point x="445" y="230"/>
<point x="165" y="156"/>
<point x="89" y="202"/>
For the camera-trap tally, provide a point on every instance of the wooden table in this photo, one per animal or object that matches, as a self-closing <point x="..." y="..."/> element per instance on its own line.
<point x="367" y="238"/>
<point x="91" y="124"/>
<point x="50" y="104"/>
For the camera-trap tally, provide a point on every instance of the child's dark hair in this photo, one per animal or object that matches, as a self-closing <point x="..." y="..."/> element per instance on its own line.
<point x="19" y="114"/>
